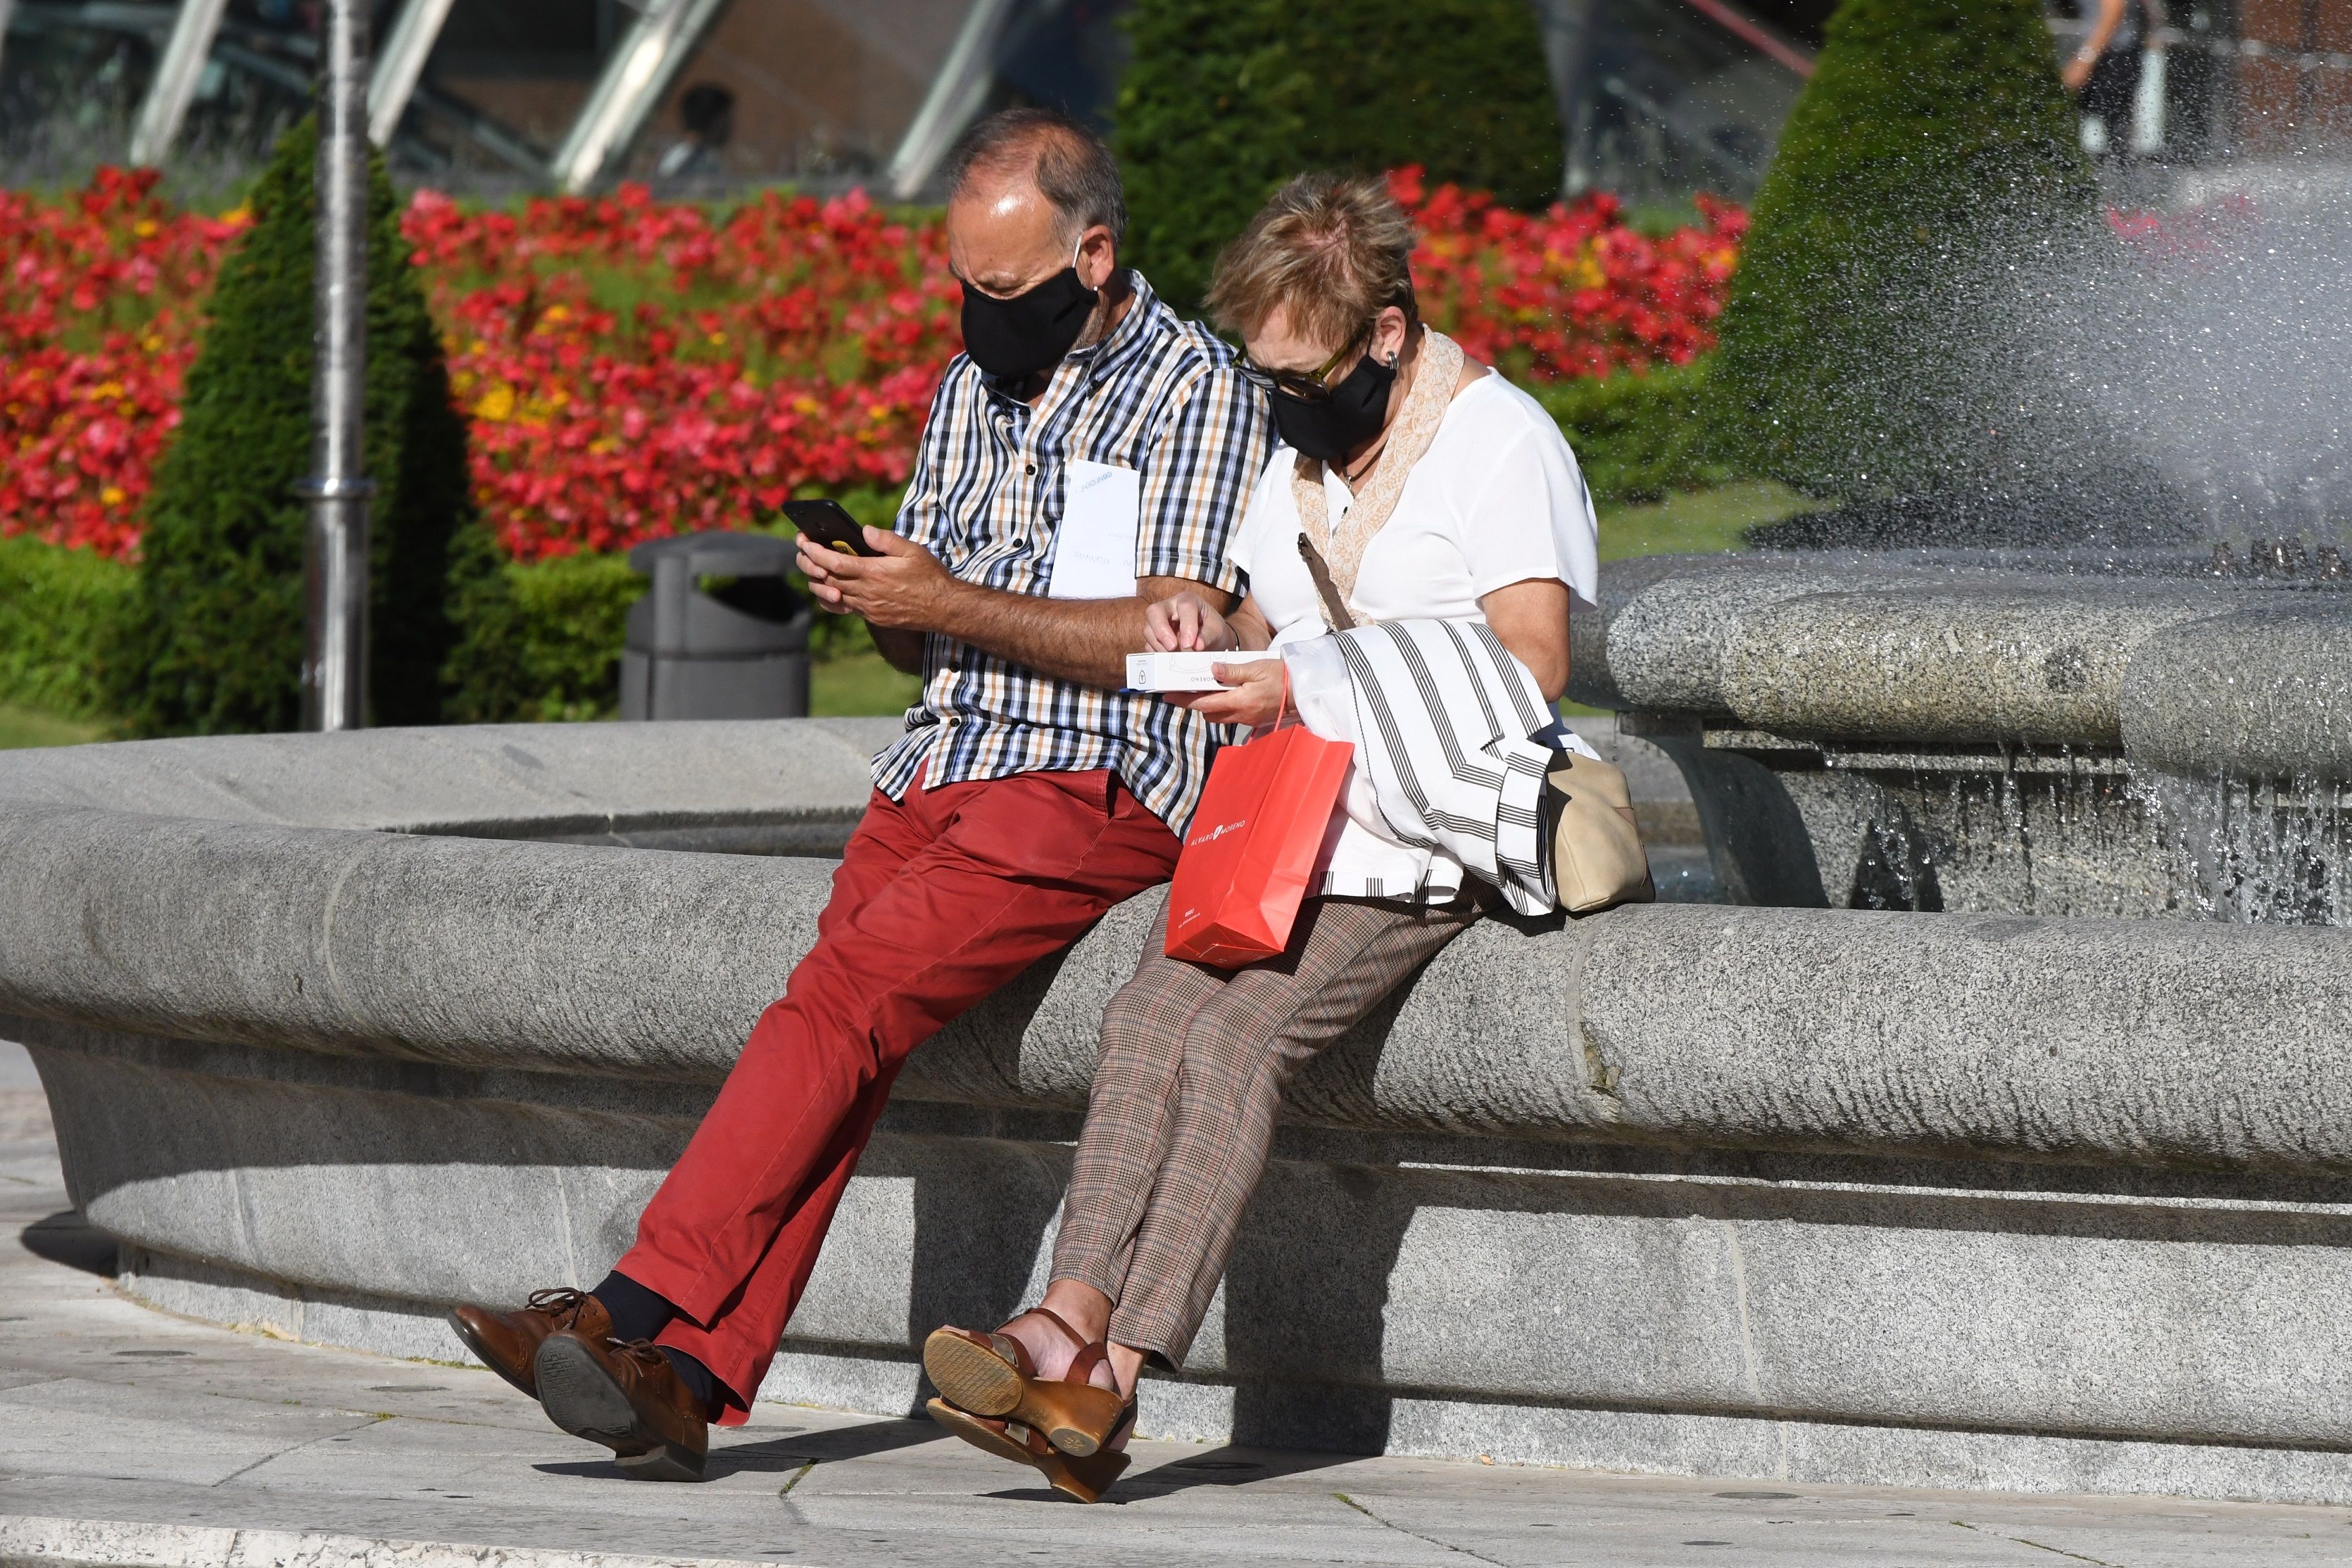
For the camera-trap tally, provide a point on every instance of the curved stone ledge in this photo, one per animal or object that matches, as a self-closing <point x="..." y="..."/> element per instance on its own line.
<point x="336" y="1028"/>
<point x="2262" y="691"/>
<point x="2066" y="1039"/>
<point x="2219" y="675"/>
<point x="603" y="782"/>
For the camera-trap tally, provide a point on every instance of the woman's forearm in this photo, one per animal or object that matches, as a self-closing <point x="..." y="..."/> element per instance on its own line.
<point x="1251" y="632"/>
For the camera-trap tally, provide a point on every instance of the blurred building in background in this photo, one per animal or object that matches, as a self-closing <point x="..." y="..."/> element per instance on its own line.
<point x="2293" y="79"/>
<point x="1662" y="98"/>
<point x="1659" y="97"/>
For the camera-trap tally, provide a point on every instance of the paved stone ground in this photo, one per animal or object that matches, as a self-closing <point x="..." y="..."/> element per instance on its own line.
<point x="127" y="1437"/>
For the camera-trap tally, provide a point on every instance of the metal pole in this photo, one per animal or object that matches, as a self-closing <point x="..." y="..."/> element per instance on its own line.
<point x="334" y="667"/>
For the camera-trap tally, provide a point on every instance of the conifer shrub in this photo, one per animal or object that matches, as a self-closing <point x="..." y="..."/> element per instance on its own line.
<point x="1227" y="98"/>
<point x="1873" y="345"/>
<point x="212" y="640"/>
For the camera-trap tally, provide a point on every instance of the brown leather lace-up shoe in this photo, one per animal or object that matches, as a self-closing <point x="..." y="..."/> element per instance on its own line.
<point x="627" y="1397"/>
<point x="506" y="1342"/>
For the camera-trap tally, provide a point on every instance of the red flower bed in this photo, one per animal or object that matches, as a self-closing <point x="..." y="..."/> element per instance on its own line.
<point x="98" y="300"/>
<point x="634" y="368"/>
<point x="1570" y="291"/>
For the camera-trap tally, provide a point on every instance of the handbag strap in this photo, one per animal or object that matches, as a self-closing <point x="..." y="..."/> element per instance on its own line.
<point x="1335" y="608"/>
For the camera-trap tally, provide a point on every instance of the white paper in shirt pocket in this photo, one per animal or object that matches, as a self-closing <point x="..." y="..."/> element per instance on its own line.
<point x="1102" y="510"/>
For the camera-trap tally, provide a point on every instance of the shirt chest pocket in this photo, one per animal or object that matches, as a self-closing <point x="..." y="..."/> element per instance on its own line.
<point x="1095" y="545"/>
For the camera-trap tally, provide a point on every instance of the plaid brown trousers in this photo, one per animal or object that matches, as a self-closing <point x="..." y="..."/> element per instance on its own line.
<point x="1192" y="1065"/>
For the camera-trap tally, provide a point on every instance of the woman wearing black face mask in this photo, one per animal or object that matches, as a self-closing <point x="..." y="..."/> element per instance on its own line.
<point x="1416" y="486"/>
<point x="1333" y="414"/>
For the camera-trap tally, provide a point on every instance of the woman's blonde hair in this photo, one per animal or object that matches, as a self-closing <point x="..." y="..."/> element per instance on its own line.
<point x="1332" y="250"/>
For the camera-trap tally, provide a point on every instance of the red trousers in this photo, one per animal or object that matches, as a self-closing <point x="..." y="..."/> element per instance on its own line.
<point x="938" y="901"/>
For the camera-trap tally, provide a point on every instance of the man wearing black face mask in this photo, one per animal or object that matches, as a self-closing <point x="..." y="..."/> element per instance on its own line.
<point x="1086" y="458"/>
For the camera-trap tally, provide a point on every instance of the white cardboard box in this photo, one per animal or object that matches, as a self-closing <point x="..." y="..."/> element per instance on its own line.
<point x="1182" y="672"/>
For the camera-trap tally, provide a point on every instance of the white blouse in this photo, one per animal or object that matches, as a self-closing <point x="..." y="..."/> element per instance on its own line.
<point x="1496" y="499"/>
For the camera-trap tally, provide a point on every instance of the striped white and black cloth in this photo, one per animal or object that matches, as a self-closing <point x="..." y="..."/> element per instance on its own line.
<point x="1160" y="395"/>
<point x="1453" y="740"/>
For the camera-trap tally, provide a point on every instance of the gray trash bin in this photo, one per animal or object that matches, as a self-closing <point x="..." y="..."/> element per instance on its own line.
<point x="738" y="652"/>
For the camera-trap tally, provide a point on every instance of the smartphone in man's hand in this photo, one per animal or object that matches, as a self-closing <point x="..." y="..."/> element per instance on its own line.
<point x="830" y="524"/>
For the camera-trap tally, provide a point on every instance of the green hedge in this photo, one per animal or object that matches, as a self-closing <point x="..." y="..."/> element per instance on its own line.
<point x="1226" y="98"/>
<point x="60" y="612"/>
<point x="536" y="643"/>
<point x="1932" y="154"/>
<point x="548" y="648"/>
<point x="546" y="641"/>
<point x="212" y="642"/>
<point x="1637" y="436"/>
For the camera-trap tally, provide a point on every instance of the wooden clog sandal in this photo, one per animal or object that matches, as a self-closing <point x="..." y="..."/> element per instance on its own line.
<point x="990" y="1375"/>
<point x="1085" y="1479"/>
<point x="1076" y="1416"/>
<point x="982" y="1373"/>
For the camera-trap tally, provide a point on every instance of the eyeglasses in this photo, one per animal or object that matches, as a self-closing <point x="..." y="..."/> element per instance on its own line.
<point x="1311" y="386"/>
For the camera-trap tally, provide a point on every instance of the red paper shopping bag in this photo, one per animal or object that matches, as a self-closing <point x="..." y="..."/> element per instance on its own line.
<point x="1253" y="846"/>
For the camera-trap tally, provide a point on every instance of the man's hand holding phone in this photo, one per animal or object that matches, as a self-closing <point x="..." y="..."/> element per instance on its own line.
<point x="896" y="583"/>
<point x="856" y="570"/>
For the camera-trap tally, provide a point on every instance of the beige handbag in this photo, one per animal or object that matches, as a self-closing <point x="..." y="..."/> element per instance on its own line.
<point x="1597" y="858"/>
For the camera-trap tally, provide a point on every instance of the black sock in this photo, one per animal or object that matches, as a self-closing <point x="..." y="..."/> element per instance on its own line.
<point x="637" y="1312"/>
<point x="696" y="1378"/>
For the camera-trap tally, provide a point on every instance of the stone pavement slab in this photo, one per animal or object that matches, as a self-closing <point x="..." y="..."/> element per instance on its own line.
<point x="129" y="1436"/>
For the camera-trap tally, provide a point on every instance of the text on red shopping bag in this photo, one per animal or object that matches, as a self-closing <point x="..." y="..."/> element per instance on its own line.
<point x="1253" y="846"/>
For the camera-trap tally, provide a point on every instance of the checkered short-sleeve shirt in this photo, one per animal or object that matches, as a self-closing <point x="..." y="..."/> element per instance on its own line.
<point x="1160" y="395"/>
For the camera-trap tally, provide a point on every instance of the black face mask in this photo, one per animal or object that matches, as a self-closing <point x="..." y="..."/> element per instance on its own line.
<point x="1014" y="338"/>
<point x="1329" y="429"/>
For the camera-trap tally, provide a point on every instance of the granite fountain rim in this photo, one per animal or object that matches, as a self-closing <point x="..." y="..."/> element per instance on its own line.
<point x="1890" y="654"/>
<point x="2009" y="1037"/>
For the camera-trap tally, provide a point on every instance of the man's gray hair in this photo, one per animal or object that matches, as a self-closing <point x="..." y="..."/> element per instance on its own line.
<point x="1072" y="169"/>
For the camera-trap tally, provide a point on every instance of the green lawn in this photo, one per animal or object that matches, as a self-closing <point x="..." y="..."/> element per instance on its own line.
<point x="1695" y="522"/>
<point x="859" y="683"/>
<point x="23" y="727"/>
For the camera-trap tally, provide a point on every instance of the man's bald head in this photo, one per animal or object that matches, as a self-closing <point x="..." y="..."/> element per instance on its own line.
<point x="1064" y="162"/>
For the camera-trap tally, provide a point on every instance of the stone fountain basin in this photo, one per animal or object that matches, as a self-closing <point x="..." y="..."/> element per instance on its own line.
<point x="336" y="1029"/>
<point x="1932" y="732"/>
<point x="2196" y="673"/>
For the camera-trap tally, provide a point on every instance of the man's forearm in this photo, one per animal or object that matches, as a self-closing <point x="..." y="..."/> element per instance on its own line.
<point x="1082" y="640"/>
